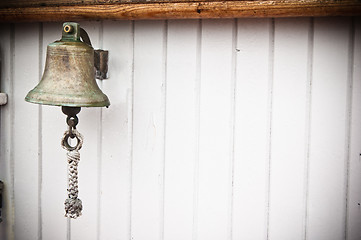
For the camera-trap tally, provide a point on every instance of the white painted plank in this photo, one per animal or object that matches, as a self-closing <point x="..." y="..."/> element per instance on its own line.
<point x="328" y="149"/>
<point x="85" y="227"/>
<point x="181" y="139"/>
<point x="26" y="131"/>
<point x="117" y="133"/>
<point x="148" y="131"/>
<point x="289" y="133"/>
<point x="54" y="164"/>
<point x="6" y="160"/>
<point x="215" y="139"/>
<point x="354" y="200"/>
<point x="251" y="130"/>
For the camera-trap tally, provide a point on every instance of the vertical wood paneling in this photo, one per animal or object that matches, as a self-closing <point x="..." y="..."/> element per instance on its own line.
<point x="6" y="130"/>
<point x="215" y="149"/>
<point x="217" y="129"/>
<point x="85" y="227"/>
<point x="54" y="164"/>
<point x="148" y="131"/>
<point x="180" y="129"/>
<point x="26" y="132"/>
<point x="289" y="124"/>
<point x="117" y="133"/>
<point x="354" y="200"/>
<point x="328" y="149"/>
<point x="251" y="129"/>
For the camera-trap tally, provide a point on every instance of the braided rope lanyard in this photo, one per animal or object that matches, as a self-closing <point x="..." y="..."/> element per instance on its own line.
<point x="73" y="204"/>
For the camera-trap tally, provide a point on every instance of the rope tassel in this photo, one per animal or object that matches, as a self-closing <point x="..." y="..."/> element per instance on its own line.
<point x="73" y="205"/>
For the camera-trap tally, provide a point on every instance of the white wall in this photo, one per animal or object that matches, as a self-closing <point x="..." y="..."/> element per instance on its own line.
<point x="244" y="129"/>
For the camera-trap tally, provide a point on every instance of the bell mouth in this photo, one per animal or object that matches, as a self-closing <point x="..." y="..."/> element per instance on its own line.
<point x="86" y="100"/>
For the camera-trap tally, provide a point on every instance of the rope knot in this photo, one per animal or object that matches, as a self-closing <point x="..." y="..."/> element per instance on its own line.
<point x="73" y="208"/>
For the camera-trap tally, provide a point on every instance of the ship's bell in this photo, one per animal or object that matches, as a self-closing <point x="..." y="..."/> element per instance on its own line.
<point x="69" y="75"/>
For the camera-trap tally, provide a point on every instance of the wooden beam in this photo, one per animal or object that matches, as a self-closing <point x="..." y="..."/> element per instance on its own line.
<point x="38" y="11"/>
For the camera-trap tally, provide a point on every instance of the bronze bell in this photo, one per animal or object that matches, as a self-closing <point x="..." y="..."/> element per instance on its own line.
<point x="69" y="81"/>
<point x="69" y="75"/>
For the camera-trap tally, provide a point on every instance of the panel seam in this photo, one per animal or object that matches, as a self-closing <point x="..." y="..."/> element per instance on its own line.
<point x="308" y="124"/>
<point x="40" y="138"/>
<point x="131" y="140"/>
<point x="232" y="125"/>
<point x="164" y="109"/>
<point x="100" y="145"/>
<point x="270" y="103"/>
<point x="350" y="79"/>
<point x="12" y="127"/>
<point x="197" y="132"/>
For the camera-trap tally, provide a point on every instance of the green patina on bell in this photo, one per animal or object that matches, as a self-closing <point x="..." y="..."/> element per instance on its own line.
<point x="69" y="75"/>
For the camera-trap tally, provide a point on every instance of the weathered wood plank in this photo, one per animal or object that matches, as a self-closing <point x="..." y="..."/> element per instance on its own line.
<point x="6" y="132"/>
<point x="251" y="129"/>
<point x="26" y="132"/>
<point x="148" y="131"/>
<point x="215" y="131"/>
<point x="354" y="191"/>
<point x="39" y="11"/>
<point x="116" y="144"/>
<point x="289" y="129"/>
<point x="181" y="125"/>
<point x="328" y="135"/>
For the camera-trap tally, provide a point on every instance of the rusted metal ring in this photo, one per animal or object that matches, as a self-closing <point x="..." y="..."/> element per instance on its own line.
<point x="72" y="121"/>
<point x="65" y="140"/>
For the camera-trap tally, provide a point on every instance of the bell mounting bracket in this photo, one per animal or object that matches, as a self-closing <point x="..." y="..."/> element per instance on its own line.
<point x="73" y="32"/>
